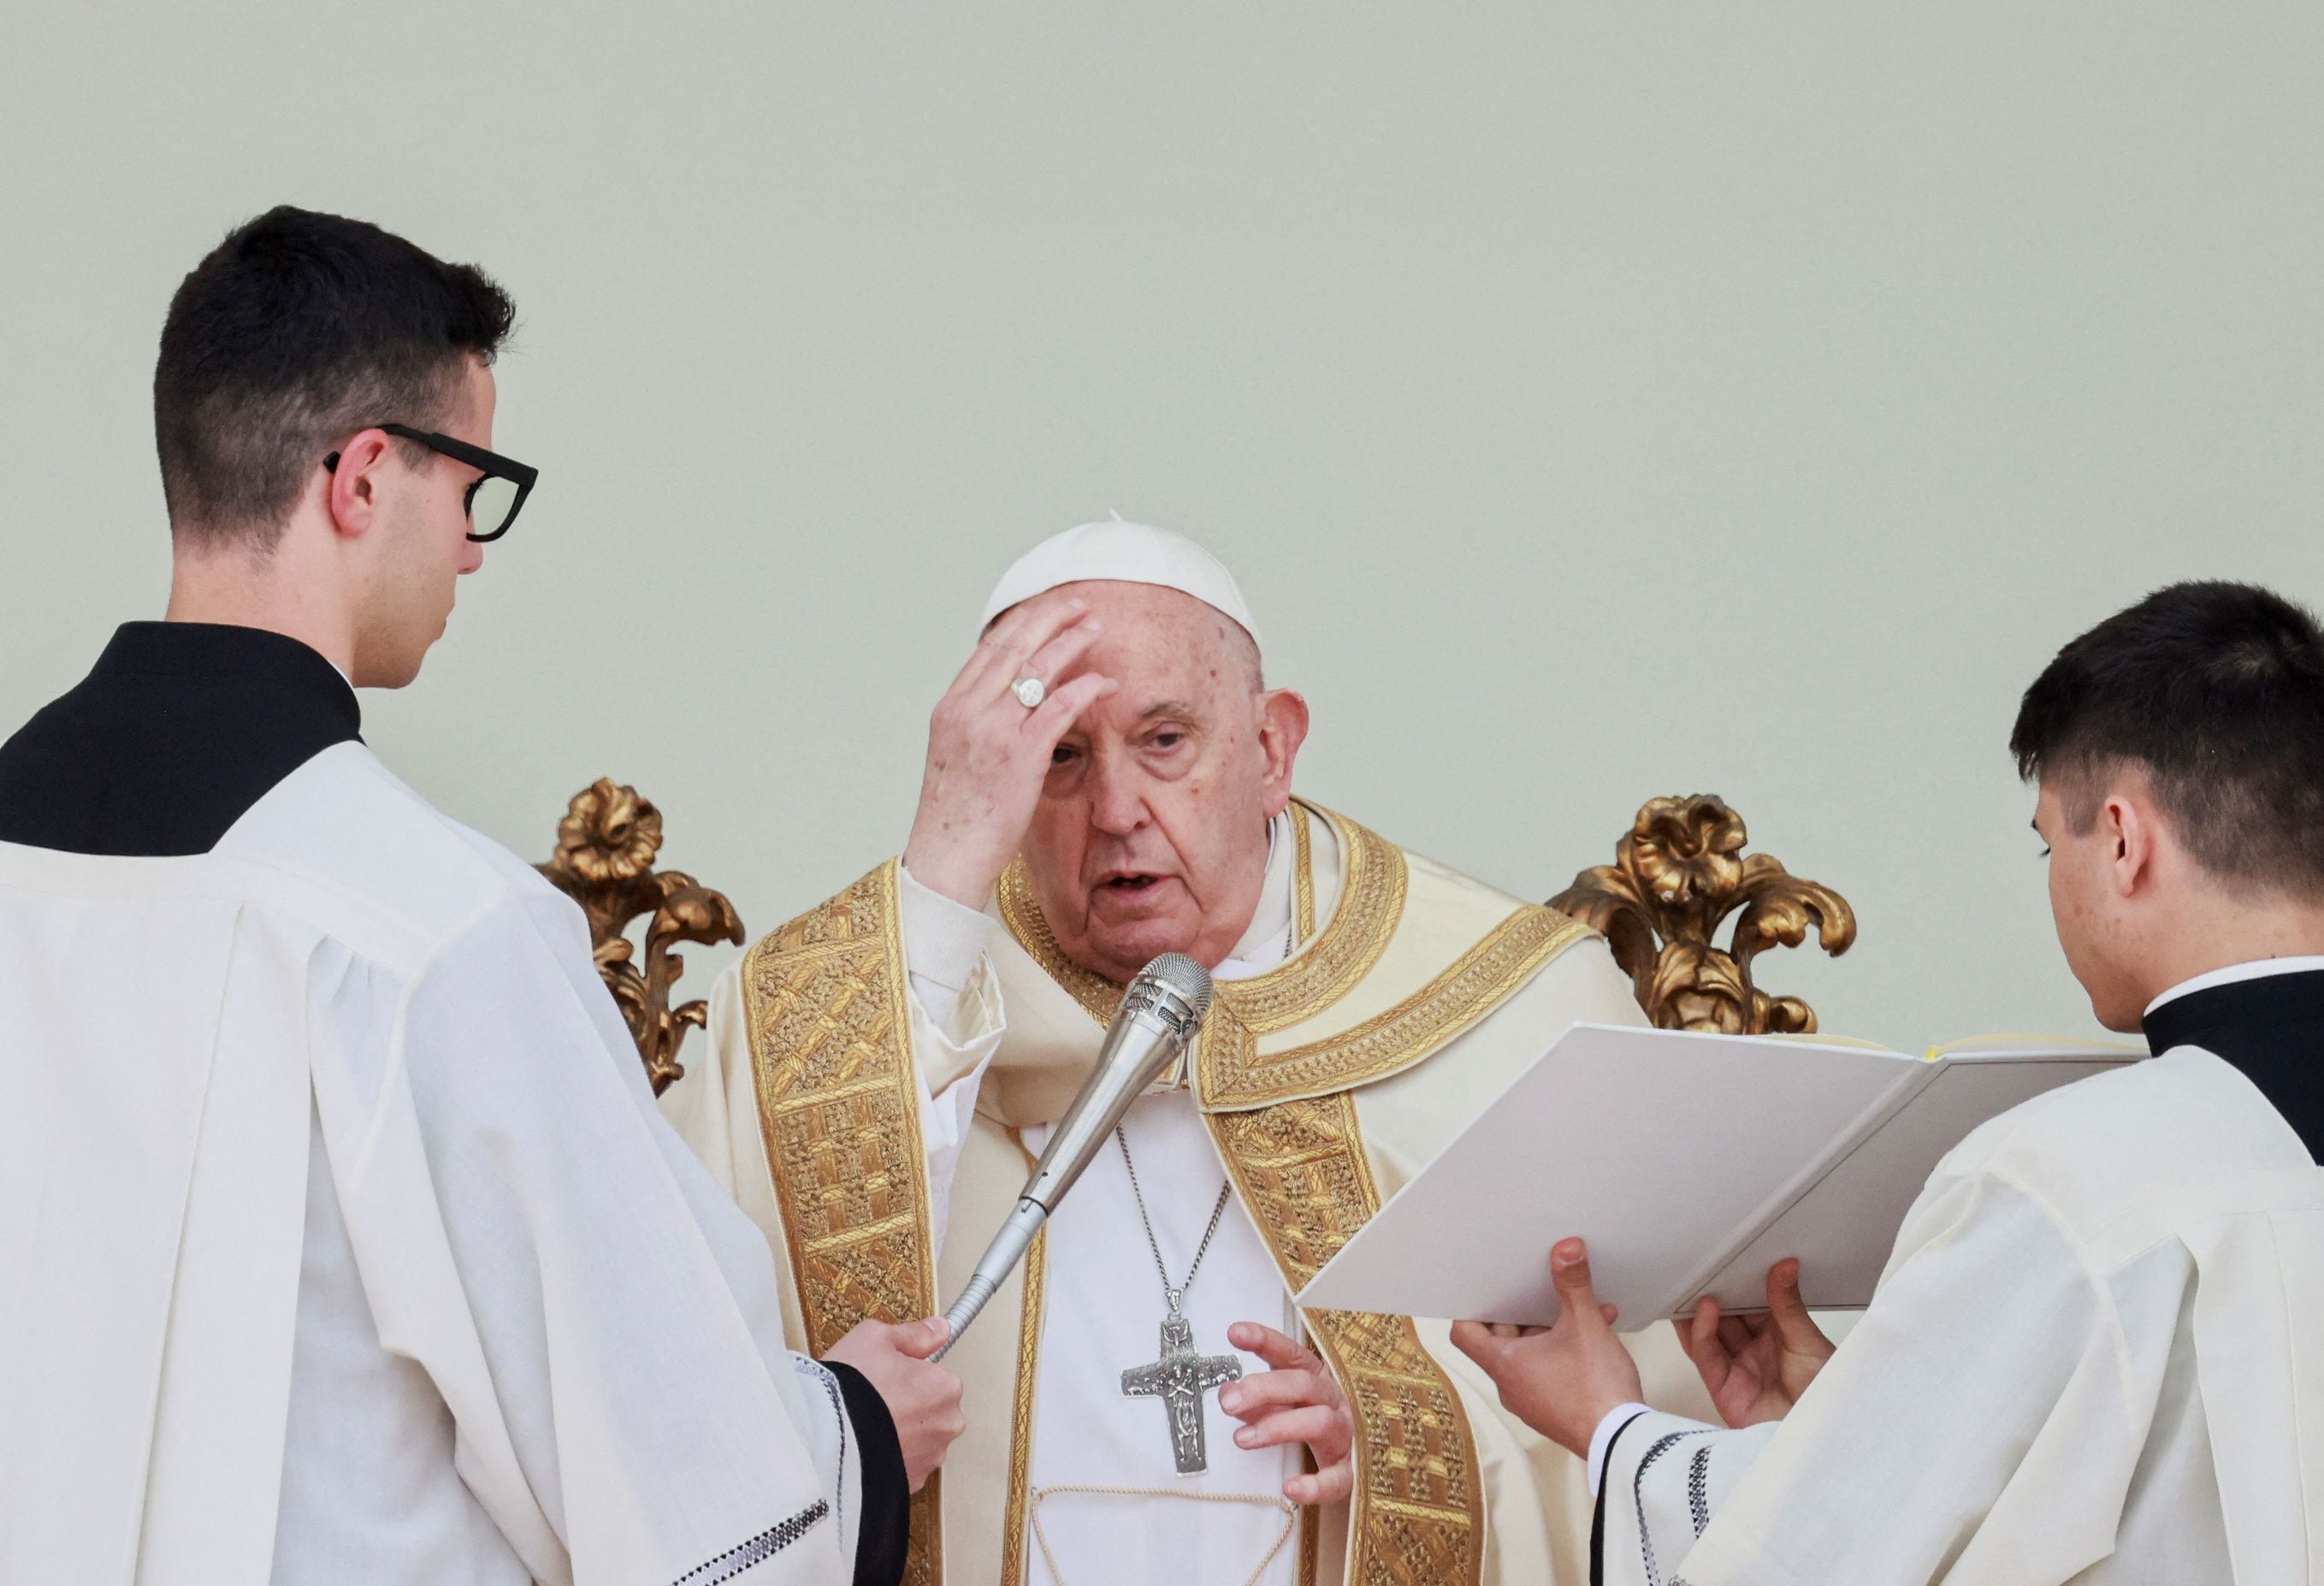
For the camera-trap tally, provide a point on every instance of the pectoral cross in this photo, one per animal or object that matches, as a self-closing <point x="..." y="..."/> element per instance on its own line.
<point x="1179" y="1380"/>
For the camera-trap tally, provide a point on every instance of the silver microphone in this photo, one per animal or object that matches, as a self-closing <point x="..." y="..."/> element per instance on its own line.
<point x="1159" y="1014"/>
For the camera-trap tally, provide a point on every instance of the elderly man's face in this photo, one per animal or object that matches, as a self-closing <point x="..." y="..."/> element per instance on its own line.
<point x="1151" y="835"/>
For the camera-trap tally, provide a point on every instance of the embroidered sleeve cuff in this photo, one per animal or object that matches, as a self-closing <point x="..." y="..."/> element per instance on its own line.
<point x="1602" y="1442"/>
<point x="944" y="941"/>
<point x="887" y="1518"/>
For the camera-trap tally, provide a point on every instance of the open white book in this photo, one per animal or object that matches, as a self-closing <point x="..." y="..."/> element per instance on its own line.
<point x="1691" y="1163"/>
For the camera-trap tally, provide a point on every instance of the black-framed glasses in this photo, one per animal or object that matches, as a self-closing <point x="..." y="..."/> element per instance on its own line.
<point x="493" y="500"/>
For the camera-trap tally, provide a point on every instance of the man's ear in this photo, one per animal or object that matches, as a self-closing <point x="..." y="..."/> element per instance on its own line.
<point x="1282" y="729"/>
<point x="352" y="489"/>
<point x="2127" y="825"/>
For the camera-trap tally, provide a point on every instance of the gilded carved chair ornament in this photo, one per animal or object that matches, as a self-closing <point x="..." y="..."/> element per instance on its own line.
<point x="605" y="848"/>
<point x="1675" y="877"/>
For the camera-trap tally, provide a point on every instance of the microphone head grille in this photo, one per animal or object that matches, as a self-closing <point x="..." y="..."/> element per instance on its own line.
<point x="1181" y="975"/>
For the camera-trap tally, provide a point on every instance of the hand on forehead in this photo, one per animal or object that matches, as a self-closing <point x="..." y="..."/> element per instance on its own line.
<point x="1158" y="644"/>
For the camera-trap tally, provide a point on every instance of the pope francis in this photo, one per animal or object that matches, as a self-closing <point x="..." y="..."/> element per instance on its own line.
<point x="1108" y="779"/>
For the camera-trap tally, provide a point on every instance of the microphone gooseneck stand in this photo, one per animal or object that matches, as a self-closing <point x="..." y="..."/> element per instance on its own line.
<point x="1159" y="1014"/>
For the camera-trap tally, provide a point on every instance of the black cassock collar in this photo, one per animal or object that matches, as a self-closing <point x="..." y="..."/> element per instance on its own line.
<point x="2271" y="1028"/>
<point x="178" y="729"/>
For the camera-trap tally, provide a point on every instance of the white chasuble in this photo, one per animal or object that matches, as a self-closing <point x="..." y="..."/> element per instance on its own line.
<point x="881" y="1076"/>
<point x="2095" y="1356"/>
<point x="329" y="1140"/>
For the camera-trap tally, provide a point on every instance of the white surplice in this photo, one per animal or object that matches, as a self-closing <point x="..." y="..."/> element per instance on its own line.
<point x="340" y="1238"/>
<point x="2097" y="1355"/>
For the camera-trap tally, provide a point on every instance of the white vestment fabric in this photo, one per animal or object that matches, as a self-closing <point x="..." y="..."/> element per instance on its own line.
<point x="2097" y="1355"/>
<point x="340" y="1240"/>
<point x="1103" y="1302"/>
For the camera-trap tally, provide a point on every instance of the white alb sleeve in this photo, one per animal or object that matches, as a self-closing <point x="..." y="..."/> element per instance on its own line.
<point x="1601" y="1440"/>
<point x="1990" y="1382"/>
<point x="601" y="1319"/>
<point x="1663" y="1477"/>
<point x="957" y="1023"/>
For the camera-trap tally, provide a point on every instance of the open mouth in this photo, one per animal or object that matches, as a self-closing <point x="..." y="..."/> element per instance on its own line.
<point x="1138" y="881"/>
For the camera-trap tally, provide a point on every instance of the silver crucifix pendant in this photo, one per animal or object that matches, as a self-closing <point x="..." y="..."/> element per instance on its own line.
<point x="1179" y="1380"/>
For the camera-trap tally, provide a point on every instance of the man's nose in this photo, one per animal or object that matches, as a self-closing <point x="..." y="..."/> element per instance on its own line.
<point x="471" y="556"/>
<point x="1117" y="798"/>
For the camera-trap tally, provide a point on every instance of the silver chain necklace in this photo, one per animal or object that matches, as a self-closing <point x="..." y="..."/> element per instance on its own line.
<point x="1180" y="1378"/>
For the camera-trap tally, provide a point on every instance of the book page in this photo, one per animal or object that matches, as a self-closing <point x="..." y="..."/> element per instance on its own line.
<point x="1661" y="1147"/>
<point x="1843" y="1227"/>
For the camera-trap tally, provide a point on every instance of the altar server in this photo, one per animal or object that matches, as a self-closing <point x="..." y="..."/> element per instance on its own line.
<point x="2097" y="1354"/>
<point x="340" y="1238"/>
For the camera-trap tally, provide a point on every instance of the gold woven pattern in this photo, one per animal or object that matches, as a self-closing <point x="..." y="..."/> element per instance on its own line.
<point x="1236" y="1074"/>
<point x="1418" y="1506"/>
<point x="839" y="1108"/>
<point x="1371" y="907"/>
<point x="1023" y="917"/>
<point x="1020" y="1429"/>
<point x="1303" y="875"/>
<point x="1311" y="1533"/>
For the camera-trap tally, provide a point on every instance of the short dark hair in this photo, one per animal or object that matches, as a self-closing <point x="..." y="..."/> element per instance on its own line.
<point x="2215" y="691"/>
<point x="298" y="330"/>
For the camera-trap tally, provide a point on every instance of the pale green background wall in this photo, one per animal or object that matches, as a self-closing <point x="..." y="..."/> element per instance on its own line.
<point x="1596" y="401"/>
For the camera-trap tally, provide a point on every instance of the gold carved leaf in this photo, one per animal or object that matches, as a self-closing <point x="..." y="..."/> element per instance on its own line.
<point x="1607" y="900"/>
<point x="1780" y="908"/>
<point x="1700" y="987"/>
<point x="605" y="849"/>
<point x="1677" y="874"/>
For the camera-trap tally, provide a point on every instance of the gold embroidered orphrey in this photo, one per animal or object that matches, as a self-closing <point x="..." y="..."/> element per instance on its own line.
<point x="1416" y="1514"/>
<point x="1020" y="1420"/>
<point x="838" y="1105"/>
<point x="1287" y="1126"/>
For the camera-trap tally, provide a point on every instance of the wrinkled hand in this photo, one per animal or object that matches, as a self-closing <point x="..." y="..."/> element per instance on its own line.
<point x="922" y="1398"/>
<point x="1560" y="1380"/>
<point x="988" y="755"/>
<point x="1756" y="1368"/>
<point x="1298" y="1401"/>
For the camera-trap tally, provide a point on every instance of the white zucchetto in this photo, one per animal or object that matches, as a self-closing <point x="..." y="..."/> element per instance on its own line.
<point x="1120" y="553"/>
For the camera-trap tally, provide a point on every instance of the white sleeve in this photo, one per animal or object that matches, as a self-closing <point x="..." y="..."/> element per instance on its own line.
<point x="1601" y="1440"/>
<point x="1665" y="1476"/>
<point x="601" y="1320"/>
<point x="957" y="1023"/>
<point x="944" y="945"/>
<point x="1981" y="1422"/>
<point x="837" y="1445"/>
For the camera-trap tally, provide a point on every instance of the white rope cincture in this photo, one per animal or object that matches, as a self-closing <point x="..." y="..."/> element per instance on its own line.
<point x="1289" y="1510"/>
